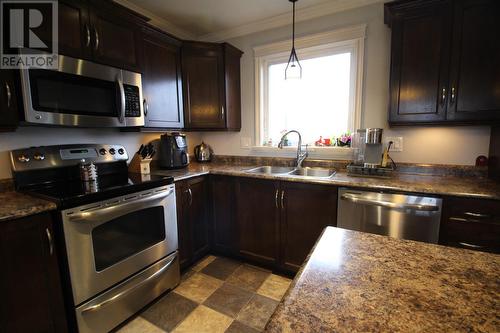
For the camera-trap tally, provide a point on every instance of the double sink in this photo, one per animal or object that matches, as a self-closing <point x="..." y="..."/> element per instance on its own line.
<point x="319" y="173"/>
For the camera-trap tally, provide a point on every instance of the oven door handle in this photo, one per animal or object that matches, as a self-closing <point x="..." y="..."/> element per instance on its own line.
<point x="131" y="289"/>
<point x="103" y="214"/>
<point x="121" y="88"/>
<point x="360" y="199"/>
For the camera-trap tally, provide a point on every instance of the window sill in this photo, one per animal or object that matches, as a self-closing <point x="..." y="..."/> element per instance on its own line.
<point x="321" y="153"/>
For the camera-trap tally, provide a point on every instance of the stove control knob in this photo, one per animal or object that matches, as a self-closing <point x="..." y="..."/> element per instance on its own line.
<point x="102" y="151"/>
<point x="39" y="156"/>
<point x="23" y="158"/>
<point x="121" y="151"/>
<point x="112" y="151"/>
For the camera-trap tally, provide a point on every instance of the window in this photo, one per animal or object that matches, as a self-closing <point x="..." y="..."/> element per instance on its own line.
<point x="325" y="102"/>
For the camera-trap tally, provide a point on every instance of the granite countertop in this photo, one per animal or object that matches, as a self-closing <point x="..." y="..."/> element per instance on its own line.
<point x="472" y="187"/>
<point x="15" y="205"/>
<point x="358" y="282"/>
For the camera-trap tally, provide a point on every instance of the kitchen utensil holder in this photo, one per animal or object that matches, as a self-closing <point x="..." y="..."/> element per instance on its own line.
<point x="140" y="165"/>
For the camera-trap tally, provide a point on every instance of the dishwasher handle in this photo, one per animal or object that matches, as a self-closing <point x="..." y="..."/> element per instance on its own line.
<point x="364" y="200"/>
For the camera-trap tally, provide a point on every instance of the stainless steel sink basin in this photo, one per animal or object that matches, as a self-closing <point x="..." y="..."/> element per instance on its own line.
<point x="313" y="172"/>
<point x="271" y="170"/>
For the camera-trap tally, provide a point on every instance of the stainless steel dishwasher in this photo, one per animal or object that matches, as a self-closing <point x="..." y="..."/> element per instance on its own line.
<point x="395" y="215"/>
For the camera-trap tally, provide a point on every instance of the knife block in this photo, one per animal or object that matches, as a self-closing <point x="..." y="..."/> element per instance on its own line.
<point x="140" y="165"/>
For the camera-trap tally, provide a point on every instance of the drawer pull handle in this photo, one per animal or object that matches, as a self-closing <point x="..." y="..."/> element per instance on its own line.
<point x="459" y="219"/>
<point x="276" y="199"/>
<point x="471" y="246"/>
<point x="478" y="215"/>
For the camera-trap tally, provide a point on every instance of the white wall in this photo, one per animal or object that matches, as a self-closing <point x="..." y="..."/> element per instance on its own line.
<point x="43" y="136"/>
<point x="445" y="145"/>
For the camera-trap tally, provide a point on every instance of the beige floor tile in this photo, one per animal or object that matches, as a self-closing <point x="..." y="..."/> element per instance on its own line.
<point x="204" y="320"/>
<point x="203" y="263"/>
<point x="274" y="287"/>
<point x="198" y="287"/>
<point x="140" y="325"/>
<point x="248" y="277"/>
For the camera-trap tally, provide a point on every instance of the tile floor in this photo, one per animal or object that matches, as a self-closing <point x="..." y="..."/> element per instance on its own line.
<point x="215" y="295"/>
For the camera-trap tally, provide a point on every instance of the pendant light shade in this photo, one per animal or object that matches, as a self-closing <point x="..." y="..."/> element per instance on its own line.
<point x="293" y="68"/>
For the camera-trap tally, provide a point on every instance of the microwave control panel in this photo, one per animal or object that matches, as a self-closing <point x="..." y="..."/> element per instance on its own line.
<point x="132" y="101"/>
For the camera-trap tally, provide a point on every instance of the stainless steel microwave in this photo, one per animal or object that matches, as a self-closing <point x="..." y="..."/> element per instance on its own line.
<point x="81" y="93"/>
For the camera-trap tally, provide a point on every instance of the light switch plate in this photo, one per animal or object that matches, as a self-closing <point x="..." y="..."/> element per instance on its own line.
<point x="245" y="142"/>
<point x="397" y="142"/>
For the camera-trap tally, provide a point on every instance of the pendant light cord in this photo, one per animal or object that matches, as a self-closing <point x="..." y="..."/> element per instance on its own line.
<point x="293" y="27"/>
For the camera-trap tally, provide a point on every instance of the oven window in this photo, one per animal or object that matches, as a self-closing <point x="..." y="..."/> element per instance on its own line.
<point x="127" y="235"/>
<point x="57" y="92"/>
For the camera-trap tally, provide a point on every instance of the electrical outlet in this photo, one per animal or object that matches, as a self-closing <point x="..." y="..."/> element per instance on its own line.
<point x="397" y="142"/>
<point x="245" y="142"/>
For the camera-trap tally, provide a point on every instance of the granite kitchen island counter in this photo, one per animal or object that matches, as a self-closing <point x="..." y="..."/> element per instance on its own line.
<point x="358" y="282"/>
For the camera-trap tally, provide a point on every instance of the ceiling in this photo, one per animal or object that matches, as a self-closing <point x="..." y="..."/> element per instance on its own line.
<point x="219" y="19"/>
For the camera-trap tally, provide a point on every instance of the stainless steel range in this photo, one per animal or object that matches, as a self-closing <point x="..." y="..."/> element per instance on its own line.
<point x="119" y="235"/>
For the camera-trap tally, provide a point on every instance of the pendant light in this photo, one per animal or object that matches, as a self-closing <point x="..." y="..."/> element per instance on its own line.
<point x="293" y="68"/>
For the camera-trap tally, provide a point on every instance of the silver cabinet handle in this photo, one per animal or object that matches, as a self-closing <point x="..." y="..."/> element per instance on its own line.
<point x="452" y="97"/>
<point x="96" y="35"/>
<point x="443" y="96"/>
<point x="478" y="215"/>
<point x="121" y="116"/>
<point x="222" y="113"/>
<point x="145" y="106"/>
<point x="471" y="246"/>
<point x="283" y="199"/>
<point x="128" y="291"/>
<point x="8" y="93"/>
<point x="51" y="241"/>
<point x="87" y="35"/>
<point x="387" y="204"/>
<point x="276" y="198"/>
<point x="190" y="197"/>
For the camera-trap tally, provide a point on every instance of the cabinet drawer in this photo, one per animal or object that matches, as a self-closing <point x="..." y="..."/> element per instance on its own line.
<point x="472" y="224"/>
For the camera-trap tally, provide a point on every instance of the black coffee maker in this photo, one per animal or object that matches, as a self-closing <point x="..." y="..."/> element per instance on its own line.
<point x="173" y="151"/>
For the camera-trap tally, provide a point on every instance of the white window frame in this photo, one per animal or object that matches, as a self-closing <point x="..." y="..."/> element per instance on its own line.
<point x="350" y="39"/>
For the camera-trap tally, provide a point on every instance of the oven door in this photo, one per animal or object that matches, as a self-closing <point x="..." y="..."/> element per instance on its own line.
<point x="109" y="241"/>
<point x="83" y="94"/>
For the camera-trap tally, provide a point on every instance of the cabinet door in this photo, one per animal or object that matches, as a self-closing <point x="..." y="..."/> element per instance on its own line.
<point x="203" y="82"/>
<point x="475" y="64"/>
<point x="30" y="286"/>
<point x="183" y="230"/>
<point x="232" y="84"/>
<point x="161" y="81"/>
<point x="74" y="29"/>
<point x="419" y="62"/>
<point x="305" y="211"/>
<point x="9" y="117"/>
<point x="198" y="216"/>
<point x="258" y="220"/>
<point x="115" y="40"/>
<point x="472" y="224"/>
<point x="224" y="230"/>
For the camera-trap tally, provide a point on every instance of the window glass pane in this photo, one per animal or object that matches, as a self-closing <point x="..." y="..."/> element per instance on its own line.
<point x="127" y="235"/>
<point x="318" y="104"/>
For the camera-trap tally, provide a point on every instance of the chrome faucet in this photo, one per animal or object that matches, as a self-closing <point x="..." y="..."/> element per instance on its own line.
<point x="301" y="156"/>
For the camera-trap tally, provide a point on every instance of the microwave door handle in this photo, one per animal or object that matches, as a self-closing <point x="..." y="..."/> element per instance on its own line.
<point x="102" y="215"/>
<point x="362" y="200"/>
<point x="121" y="88"/>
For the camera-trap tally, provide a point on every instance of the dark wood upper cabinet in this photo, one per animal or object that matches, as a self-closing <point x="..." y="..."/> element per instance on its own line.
<point x="32" y="296"/>
<point x="258" y="220"/>
<point x="306" y="210"/>
<point x="420" y="49"/>
<point x="210" y="74"/>
<point x="161" y="80"/>
<point x="475" y="61"/>
<point x="74" y="29"/>
<point x="445" y="61"/>
<point x="9" y="116"/>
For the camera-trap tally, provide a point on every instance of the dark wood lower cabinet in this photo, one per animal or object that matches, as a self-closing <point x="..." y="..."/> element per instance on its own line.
<point x="32" y="296"/>
<point x="224" y="226"/>
<point x="257" y="214"/>
<point x="192" y="220"/>
<point x="305" y="211"/>
<point x="472" y="224"/>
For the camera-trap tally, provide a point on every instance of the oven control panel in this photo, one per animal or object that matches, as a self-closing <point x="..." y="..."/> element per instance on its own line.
<point x="132" y="101"/>
<point x="47" y="157"/>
